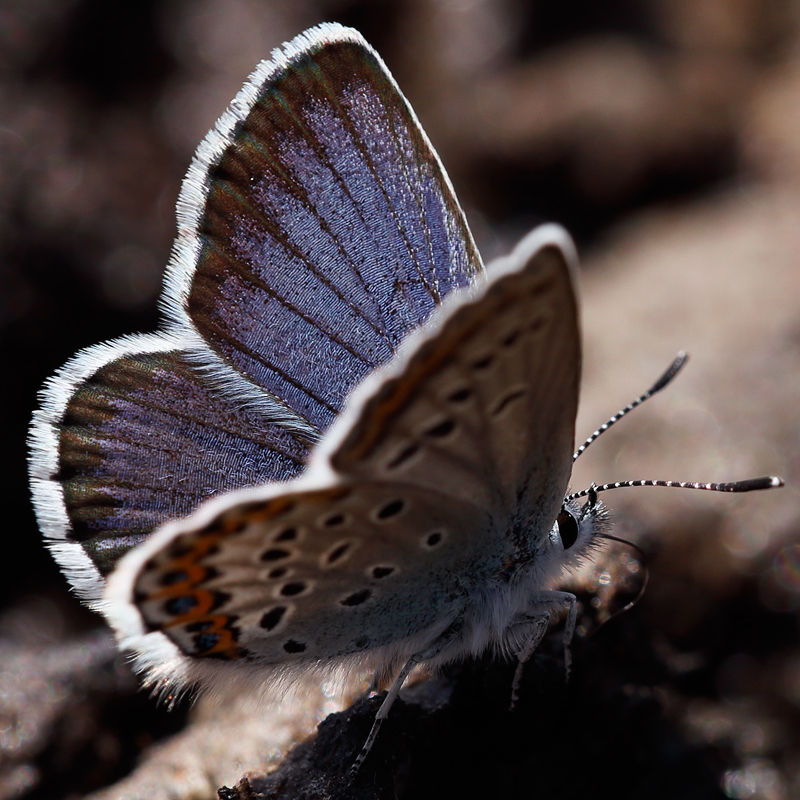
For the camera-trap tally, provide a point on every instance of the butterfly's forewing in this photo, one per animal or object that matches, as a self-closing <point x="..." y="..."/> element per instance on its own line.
<point x="316" y="228"/>
<point x="328" y="229"/>
<point x="356" y="554"/>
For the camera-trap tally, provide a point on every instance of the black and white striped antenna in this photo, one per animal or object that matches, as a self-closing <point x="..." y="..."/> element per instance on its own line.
<point x="673" y="369"/>
<point x="749" y="485"/>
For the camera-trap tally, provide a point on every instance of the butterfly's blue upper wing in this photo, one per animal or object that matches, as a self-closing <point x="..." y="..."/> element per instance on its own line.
<point x="328" y="229"/>
<point x="316" y="229"/>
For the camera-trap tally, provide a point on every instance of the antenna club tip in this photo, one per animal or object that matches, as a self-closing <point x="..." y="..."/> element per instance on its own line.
<point x="754" y="484"/>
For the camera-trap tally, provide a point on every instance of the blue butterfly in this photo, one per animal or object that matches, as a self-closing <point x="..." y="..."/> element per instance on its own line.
<point x="385" y="426"/>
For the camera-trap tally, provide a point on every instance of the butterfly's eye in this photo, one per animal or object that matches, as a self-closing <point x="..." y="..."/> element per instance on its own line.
<point x="567" y="528"/>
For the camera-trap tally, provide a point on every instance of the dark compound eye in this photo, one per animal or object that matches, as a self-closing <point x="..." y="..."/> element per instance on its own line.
<point x="567" y="528"/>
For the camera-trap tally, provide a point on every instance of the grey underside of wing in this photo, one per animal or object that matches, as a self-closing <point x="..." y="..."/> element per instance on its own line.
<point x="367" y="580"/>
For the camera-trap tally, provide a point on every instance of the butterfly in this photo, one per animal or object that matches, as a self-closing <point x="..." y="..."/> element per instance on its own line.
<point x="349" y="445"/>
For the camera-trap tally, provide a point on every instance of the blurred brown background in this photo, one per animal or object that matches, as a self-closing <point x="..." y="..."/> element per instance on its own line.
<point x="664" y="134"/>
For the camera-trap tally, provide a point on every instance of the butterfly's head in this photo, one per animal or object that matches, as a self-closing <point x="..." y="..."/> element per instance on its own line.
<point x="578" y="530"/>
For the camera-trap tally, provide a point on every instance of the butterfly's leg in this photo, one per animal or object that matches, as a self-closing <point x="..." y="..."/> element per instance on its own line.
<point x="542" y="603"/>
<point x="383" y="712"/>
<point x="534" y="629"/>
<point x="391" y="695"/>
<point x="554" y="601"/>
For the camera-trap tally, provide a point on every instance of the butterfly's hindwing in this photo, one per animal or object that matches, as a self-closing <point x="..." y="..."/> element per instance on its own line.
<point x="337" y="562"/>
<point x="317" y="575"/>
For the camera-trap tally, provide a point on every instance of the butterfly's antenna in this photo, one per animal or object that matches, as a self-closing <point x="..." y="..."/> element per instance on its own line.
<point x="749" y="485"/>
<point x="672" y="371"/>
